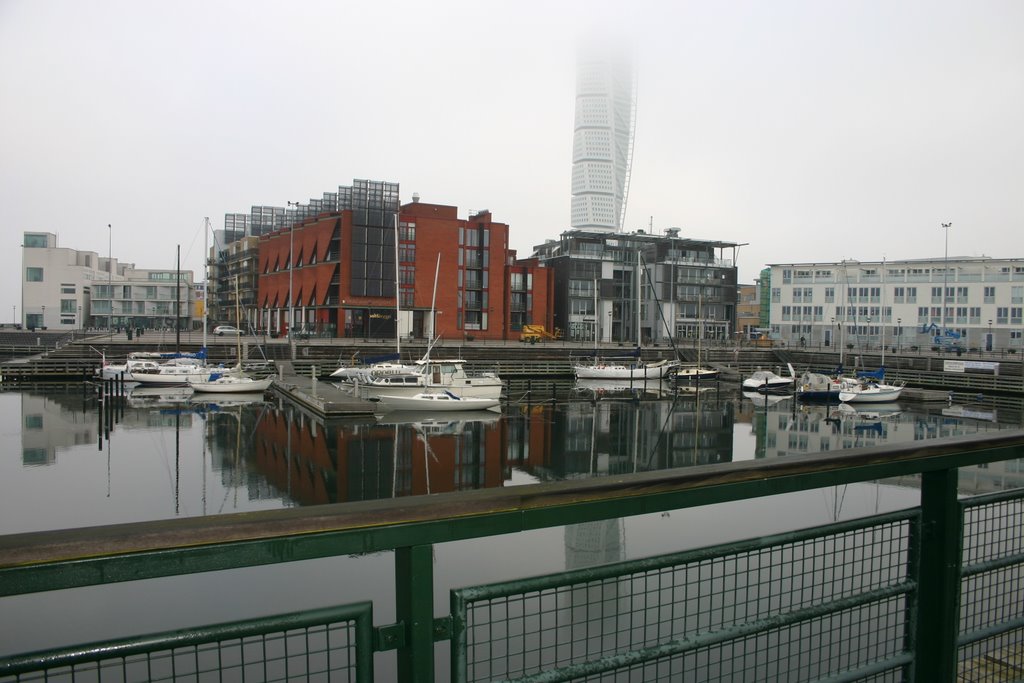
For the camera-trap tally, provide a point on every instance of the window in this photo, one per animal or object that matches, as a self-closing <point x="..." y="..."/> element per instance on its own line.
<point x="1016" y="295"/>
<point x="899" y="294"/>
<point x="33" y="274"/>
<point x="35" y="241"/>
<point x="830" y="295"/>
<point x="66" y="288"/>
<point x="990" y="295"/>
<point x="961" y="295"/>
<point x="68" y="306"/>
<point x="911" y="295"/>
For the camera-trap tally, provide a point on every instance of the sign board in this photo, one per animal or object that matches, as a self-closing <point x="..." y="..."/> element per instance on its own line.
<point x="979" y="366"/>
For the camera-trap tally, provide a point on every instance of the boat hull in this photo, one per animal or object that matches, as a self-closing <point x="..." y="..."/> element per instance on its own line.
<point x="614" y="371"/>
<point x="232" y="385"/>
<point x="871" y="395"/>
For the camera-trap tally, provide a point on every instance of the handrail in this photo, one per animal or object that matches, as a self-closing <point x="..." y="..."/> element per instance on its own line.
<point x="49" y="560"/>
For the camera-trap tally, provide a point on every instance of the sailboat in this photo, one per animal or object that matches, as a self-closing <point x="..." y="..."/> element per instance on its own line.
<point x="619" y="368"/>
<point x="233" y="381"/>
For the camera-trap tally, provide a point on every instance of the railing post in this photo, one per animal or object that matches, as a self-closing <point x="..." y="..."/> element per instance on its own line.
<point x="414" y="606"/>
<point x="938" y="596"/>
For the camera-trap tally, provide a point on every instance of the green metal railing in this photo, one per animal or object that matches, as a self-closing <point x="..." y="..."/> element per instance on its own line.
<point x="919" y="595"/>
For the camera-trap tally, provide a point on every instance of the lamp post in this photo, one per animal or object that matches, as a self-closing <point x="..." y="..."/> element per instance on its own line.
<point x="42" y="323"/>
<point x="945" y="276"/>
<point x="991" y="340"/>
<point x="899" y="334"/>
<point x="110" y="281"/>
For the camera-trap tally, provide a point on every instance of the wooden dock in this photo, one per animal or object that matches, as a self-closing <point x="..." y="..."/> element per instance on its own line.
<point x="321" y="398"/>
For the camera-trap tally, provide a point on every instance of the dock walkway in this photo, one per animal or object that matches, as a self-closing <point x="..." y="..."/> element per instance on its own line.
<point x="320" y="397"/>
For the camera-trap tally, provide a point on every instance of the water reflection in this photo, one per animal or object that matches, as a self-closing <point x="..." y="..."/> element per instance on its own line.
<point x="243" y="453"/>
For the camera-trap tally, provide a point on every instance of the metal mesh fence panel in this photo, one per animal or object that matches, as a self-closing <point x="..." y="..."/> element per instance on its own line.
<point x="992" y="589"/>
<point x="792" y="607"/>
<point x="264" y="650"/>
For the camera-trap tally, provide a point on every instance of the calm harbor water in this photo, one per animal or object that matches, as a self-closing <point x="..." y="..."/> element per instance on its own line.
<point x="60" y="467"/>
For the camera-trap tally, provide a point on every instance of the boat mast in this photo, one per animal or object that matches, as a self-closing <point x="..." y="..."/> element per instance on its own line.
<point x="398" y="297"/>
<point x="638" y="301"/>
<point x="206" y="277"/>
<point x="177" y="304"/>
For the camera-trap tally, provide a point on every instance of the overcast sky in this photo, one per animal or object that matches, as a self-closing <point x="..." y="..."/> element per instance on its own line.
<point x="812" y="131"/>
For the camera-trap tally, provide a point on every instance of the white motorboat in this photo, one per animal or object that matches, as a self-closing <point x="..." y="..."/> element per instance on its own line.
<point x="767" y="382"/>
<point x="437" y="400"/>
<point x="432" y="376"/>
<point x="231" y="384"/>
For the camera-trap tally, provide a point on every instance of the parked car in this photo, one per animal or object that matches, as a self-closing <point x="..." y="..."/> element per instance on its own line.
<point x="221" y="330"/>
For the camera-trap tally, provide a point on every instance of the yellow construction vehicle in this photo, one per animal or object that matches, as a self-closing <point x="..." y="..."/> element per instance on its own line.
<point x="535" y="333"/>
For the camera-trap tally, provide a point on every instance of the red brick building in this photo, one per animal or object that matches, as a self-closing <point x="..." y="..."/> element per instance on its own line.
<point x="345" y="264"/>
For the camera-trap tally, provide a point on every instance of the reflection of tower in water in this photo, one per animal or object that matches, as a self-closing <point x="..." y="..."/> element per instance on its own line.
<point x="588" y="613"/>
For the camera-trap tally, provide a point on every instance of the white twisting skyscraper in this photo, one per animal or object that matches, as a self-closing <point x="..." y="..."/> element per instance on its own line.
<point x="602" y="146"/>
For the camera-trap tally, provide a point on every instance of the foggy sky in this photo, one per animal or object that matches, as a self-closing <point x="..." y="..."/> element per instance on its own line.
<point x="814" y="131"/>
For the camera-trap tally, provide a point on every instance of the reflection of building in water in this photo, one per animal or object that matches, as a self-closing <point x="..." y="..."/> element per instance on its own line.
<point x="314" y="463"/>
<point x="51" y="423"/>
<point x="614" y="437"/>
<point x="788" y="429"/>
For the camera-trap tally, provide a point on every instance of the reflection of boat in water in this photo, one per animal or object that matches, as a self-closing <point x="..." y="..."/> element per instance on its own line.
<point x="868" y="414"/>
<point x="237" y="399"/>
<point x="140" y="396"/>
<point x="437" y="400"/>
<point x="622" y="387"/>
<point x="761" y="400"/>
<point x="435" y="418"/>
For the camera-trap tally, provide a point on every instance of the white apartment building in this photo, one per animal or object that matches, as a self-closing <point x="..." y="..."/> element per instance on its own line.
<point x="970" y="303"/>
<point x="68" y="289"/>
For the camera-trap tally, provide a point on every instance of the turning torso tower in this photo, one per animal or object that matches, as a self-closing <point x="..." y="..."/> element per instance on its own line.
<point x="602" y="146"/>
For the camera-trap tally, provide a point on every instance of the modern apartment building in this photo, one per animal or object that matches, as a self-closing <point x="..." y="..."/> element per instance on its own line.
<point x="685" y="288"/>
<point x="975" y="302"/>
<point x="335" y="273"/>
<point x="56" y="282"/>
<point x="69" y="289"/>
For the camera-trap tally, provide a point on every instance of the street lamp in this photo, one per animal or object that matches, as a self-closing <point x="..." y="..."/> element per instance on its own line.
<point x="899" y="333"/>
<point x="867" y="329"/>
<point x="991" y="341"/>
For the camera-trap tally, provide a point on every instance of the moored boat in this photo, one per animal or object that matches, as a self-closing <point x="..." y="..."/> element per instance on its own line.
<point x="695" y="373"/>
<point x="231" y="384"/>
<point x="432" y="375"/>
<point x="767" y="382"/>
<point x="616" y="369"/>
